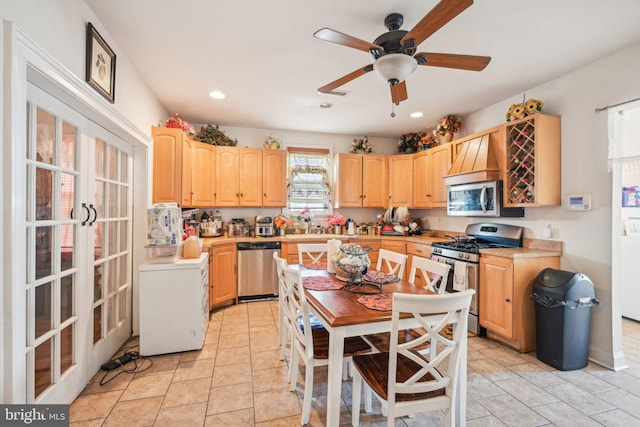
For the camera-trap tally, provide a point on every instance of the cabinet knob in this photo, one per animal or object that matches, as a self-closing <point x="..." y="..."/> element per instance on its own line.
<point x="264" y="194"/>
<point x="507" y="300"/>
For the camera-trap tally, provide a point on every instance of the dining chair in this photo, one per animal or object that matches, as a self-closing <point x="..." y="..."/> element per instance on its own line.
<point x="313" y="251"/>
<point x="310" y="344"/>
<point x="391" y="262"/>
<point x="284" y="318"/>
<point x="429" y="274"/>
<point x="405" y="381"/>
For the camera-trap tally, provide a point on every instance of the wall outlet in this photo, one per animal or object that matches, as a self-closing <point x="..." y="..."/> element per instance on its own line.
<point x="547" y="231"/>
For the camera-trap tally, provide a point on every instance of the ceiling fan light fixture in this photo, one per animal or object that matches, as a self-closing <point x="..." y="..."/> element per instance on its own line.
<point x="395" y="67"/>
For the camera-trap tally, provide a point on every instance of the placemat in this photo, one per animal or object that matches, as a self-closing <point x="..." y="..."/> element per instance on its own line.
<point x="380" y="302"/>
<point x="316" y="266"/>
<point x="380" y="277"/>
<point x="321" y="283"/>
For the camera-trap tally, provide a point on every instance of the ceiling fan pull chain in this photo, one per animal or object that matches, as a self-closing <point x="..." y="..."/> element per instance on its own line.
<point x="393" y="113"/>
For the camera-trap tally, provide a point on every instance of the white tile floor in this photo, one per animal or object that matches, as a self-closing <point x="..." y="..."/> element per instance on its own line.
<point x="237" y="380"/>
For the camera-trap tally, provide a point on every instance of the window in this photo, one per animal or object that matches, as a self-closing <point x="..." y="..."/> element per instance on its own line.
<point x="308" y="183"/>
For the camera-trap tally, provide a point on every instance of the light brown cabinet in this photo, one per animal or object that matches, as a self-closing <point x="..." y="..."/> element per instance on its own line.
<point x="506" y="309"/>
<point x="400" y="180"/>
<point x="429" y="169"/>
<point x="223" y="272"/>
<point x="274" y="178"/>
<point x="172" y="163"/>
<point x="238" y="177"/>
<point x="361" y="180"/>
<point x="532" y="172"/>
<point x="203" y="177"/>
<point x="395" y="246"/>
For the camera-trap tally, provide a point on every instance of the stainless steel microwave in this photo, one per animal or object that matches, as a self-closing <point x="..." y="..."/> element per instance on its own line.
<point x="481" y="199"/>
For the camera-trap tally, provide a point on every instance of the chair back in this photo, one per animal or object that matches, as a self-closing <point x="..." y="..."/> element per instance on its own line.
<point x="429" y="374"/>
<point x="295" y="303"/>
<point x="314" y="251"/>
<point x="391" y="262"/>
<point x="430" y="274"/>
<point x="280" y="264"/>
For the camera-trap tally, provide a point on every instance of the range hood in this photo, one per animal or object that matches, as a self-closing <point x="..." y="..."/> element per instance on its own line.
<point x="475" y="162"/>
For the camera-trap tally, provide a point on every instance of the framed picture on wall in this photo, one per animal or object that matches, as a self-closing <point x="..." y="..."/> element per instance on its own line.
<point x="100" y="64"/>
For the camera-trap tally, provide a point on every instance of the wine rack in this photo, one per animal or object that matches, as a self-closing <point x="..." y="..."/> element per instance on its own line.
<point x="532" y="173"/>
<point x="521" y="156"/>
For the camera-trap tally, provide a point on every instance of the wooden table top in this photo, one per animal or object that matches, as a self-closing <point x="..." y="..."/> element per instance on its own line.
<point x="341" y="308"/>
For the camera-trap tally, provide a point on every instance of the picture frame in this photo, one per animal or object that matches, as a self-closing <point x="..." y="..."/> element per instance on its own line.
<point x="100" y="64"/>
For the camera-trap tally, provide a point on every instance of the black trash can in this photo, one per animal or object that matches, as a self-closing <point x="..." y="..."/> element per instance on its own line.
<point x="563" y="318"/>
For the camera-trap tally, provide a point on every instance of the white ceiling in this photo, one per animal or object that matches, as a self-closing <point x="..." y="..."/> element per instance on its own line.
<point x="263" y="55"/>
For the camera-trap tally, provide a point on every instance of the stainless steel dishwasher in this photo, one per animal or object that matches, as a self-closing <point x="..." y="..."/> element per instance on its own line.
<point x="257" y="276"/>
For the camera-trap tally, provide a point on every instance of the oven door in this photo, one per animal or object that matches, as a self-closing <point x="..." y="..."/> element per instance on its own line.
<point x="473" y="282"/>
<point x="477" y="199"/>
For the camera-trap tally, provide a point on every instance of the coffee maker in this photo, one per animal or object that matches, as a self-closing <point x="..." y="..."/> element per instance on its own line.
<point x="264" y="226"/>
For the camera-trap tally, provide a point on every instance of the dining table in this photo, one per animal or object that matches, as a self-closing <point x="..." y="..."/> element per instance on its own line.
<point x="344" y="316"/>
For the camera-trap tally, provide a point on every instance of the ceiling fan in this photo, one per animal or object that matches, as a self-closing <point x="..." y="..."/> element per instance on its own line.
<point x="395" y="54"/>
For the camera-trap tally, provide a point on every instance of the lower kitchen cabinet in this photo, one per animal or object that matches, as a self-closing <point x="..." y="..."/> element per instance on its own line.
<point x="506" y="308"/>
<point x="223" y="274"/>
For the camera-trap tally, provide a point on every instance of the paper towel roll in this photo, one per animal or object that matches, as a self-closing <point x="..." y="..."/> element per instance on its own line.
<point x="333" y="245"/>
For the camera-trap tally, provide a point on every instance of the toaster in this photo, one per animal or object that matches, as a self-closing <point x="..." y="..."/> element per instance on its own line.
<point x="264" y="226"/>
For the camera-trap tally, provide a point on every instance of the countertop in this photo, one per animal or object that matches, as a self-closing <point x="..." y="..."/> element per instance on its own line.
<point x="528" y="252"/>
<point x="520" y="252"/>
<point x="207" y="242"/>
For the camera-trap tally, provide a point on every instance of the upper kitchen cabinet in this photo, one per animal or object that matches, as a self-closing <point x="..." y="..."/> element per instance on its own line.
<point x="203" y="177"/>
<point x="172" y="164"/>
<point x="274" y="178"/>
<point x="361" y="180"/>
<point x="429" y="169"/>
<point x="238" y="177"/>
<point x="532" y="172"/>
<point x="400" y="180"/>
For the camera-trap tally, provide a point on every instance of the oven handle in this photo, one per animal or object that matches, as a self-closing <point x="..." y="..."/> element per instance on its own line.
<point x="483" y="193"/>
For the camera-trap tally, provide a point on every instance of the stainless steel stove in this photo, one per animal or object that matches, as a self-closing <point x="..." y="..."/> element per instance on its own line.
<point x="463" y="254"/>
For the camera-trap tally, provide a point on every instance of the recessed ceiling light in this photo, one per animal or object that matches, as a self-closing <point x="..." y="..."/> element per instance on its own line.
<point x="216" y="94"/>
<point x="416" y="115"/>
<point x="325" y="105"/>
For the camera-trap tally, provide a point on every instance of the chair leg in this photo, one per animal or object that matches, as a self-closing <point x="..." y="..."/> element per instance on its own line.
<point x="308" y="392"/>
<point x="368" y="399"/>
<point x="345" y="370"/>
<point x="293" y="368"/>
<point x="355" y="398"/>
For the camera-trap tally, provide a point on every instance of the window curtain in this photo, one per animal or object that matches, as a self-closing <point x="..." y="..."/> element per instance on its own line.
<point x="624" y="136"/>
<point x="308" y="185"/>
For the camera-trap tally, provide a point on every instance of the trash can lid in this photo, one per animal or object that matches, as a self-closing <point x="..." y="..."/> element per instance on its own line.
<point x="563" y="285"/>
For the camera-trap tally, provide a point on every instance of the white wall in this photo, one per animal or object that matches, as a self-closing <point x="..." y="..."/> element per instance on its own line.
<point x="586" y="235"/>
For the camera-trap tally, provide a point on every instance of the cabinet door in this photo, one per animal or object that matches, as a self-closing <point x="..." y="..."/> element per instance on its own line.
<point x="224" y="273"/>
<point x="348" y="180"/>
<point x="439" y="164"/>
<point x="167" y="165"/>
<point x="274" y="178"/>
<point x="421" y="195"/>
<point x="203" y="175"/>
<point x="496" y="295"/>
<point x="400" y="180"/>
<point x="227" y="176"/>
<point x="250" y="177"/>
<point x="375" y="181"/>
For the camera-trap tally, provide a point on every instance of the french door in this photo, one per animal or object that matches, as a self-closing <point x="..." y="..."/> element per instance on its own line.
<point x="78" y="260"/>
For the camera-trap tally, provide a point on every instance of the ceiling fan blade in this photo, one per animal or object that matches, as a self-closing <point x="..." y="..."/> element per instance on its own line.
<point x="435" y="19"/>
<point x="334" y="36"/>
<point x="346" y="79"/>
<point x="450" y="60"/>
<point x="399" y="92"/>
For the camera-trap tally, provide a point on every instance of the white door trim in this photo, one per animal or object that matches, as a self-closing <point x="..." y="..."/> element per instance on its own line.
<point x="24" y="61"/>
